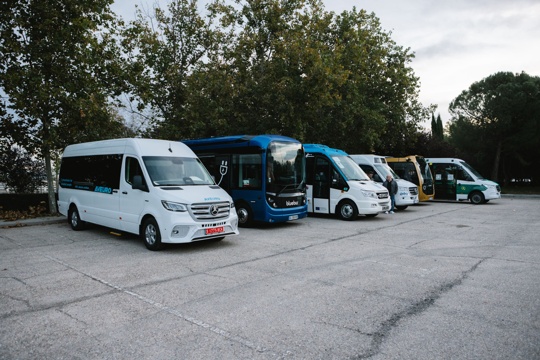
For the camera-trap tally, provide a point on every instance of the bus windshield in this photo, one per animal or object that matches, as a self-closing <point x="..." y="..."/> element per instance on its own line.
<point x="386" y="170"/>
<point x="472" y="170"/>
<point x="176" y="171"/>
<point x="350" y="169"/>
<point x="425" y="172"/>
<point x="285" y="166"/>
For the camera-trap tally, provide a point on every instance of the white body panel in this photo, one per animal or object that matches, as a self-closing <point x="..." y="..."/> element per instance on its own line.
<point x="463" y="187"/>
<point x="407" y="191"/>
<point x="366" y="205"/>
<point x="124" y="208"/>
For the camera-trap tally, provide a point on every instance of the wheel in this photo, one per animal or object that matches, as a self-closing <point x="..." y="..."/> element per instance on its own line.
<point x="402" y="207"/>
<point x="347" y="210"/>
<point x="74" y="219"/>
<point x="477" y="197"/>
<point x="150" y="234"/>
<point x="245" y="214"/>
<point x="371" y="215"/>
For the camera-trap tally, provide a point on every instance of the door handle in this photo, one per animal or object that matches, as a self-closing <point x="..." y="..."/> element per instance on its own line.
<point x="124" y="192"/>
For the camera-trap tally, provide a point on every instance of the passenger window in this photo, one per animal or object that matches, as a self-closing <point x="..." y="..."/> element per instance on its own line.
<point x="133" y="168"/>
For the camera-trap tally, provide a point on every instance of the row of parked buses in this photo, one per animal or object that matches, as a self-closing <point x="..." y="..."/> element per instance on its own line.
<point x="178" y="192"/>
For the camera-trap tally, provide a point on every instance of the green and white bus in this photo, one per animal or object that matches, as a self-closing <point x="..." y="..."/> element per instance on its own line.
<point x="456" y="180"/>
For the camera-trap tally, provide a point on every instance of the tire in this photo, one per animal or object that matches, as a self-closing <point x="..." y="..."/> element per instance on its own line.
<point x="74" y="219"/>
<point x="347" y="210"/>
<point x="151" y="235"/>
<point x="402" y="207"/>
<point x="245" y="214"/>
<point x="476" y="197"/>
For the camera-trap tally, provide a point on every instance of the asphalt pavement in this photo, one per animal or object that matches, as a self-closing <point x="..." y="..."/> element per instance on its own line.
<point x="441" y="280"/>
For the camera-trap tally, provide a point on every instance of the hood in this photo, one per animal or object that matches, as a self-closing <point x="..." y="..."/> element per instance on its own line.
<point x="367" y="185"/>
<point x="193" y="194"/>
<point x="488" y="182"/>
<point x="405" y="183"/>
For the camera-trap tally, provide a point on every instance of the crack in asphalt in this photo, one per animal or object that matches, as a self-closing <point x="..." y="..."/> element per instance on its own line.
<point x="379" y="336"/>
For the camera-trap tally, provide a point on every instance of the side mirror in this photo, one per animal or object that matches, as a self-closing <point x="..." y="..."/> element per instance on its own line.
<point x="138" y="183"/>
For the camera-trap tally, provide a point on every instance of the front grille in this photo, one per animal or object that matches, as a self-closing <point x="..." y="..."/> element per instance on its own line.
<point x="413" y="190"/>
<point x="382" y="195"/>
<point x="210" y="211"/>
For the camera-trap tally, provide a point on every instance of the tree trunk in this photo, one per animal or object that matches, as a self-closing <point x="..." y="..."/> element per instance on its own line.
<point x="50" y="182"/>
<point x="495" y="170"/>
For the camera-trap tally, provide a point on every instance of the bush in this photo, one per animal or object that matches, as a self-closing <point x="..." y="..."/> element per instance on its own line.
<point x="20" y="172"/>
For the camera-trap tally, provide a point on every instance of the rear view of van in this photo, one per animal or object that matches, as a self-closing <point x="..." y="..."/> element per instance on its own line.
<point x="157" y="189"/>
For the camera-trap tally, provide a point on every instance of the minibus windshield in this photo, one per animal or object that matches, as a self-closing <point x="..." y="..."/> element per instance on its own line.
<point x="176" y="171"/>
<point x="350" y="169"/>
<point x="471" y="170"/>
<point x="424" y="169"/>
<point x="386" y="170"/>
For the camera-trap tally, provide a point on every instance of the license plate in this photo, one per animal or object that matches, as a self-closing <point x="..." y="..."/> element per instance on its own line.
<point x="293" y="217"/>
<point x="215" y="230"/>
<point x="386" y="207"/>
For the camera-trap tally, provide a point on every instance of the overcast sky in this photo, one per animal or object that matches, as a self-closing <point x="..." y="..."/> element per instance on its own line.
<point x="456" y="42"/>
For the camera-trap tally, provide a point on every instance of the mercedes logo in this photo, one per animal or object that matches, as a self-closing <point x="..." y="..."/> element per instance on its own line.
<point x="214" y="210"/>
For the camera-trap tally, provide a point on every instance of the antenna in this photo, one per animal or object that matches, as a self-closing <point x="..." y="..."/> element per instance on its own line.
<point x="170" y="150"/>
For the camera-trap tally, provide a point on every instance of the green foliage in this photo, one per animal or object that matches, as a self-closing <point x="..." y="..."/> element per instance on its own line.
<point x="437" y="129"/>
<point x="497" y="122"/>
<point x="19" y="171"/>
<point x="58" y="67"/>
<point x="276" y="66"/>
<point x="162" y="50"/>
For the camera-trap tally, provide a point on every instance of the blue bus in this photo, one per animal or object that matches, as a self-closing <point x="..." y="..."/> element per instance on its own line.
<point x="264" y="174"/>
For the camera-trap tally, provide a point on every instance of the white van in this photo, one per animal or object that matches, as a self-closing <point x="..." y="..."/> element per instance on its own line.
<point x="457" y="180"/>
<point x="336" y="185"/>
<point x="155" y="188"/>
<point x="407" y="191"/>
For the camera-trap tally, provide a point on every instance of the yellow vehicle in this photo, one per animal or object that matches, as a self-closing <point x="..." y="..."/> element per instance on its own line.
<point x="415" y="169"/>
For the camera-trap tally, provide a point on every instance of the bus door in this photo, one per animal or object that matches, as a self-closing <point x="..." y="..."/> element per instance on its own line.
<point x="132" y="201"/>
<point x="320" y="197"/>
<point x="445" y="181"/>
<point x="464" y="183"/>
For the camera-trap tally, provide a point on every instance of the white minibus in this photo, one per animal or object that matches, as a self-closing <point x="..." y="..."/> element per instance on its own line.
<point x="457" y="180"/>
<point x="157" y="189"/>
<point x="336" y="185"/>
<point x="407" y="191"/>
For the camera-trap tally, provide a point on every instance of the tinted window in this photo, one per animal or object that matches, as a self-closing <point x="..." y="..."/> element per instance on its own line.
<point x="100" y="173"/>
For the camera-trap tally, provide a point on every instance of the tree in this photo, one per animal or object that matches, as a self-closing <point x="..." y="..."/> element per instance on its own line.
<point x="497" y="120"/>
<point x="289" y="67"/>
<point x="163" y="48"/>
<point x="19" y="171"/>
<point x="58" y="67"/>
<point x="437" y="129"/>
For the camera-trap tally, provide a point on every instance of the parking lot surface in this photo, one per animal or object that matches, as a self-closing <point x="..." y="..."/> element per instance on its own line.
<point x="439" y="280"/>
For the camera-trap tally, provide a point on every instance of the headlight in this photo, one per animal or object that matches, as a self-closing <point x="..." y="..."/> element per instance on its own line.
<point x="232" y="204"/>
<point x="403" y="189"/>
<point x="370" y="194"/>
<point x="174" y="206"/>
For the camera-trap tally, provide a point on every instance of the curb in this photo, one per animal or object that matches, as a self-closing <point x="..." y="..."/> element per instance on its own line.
<point x="33" y="221"/>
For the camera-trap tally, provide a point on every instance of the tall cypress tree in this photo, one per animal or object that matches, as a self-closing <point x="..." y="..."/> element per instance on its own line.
<point x="439" y="126"/>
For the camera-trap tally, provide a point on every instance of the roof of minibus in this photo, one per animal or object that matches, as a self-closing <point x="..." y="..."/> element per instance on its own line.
<point x="444" y="160"/>
<point x="369" y="158"/>
<point x="320" y="148"/>
<point x="237" y="141"/>
<point x="143" y="147"/>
